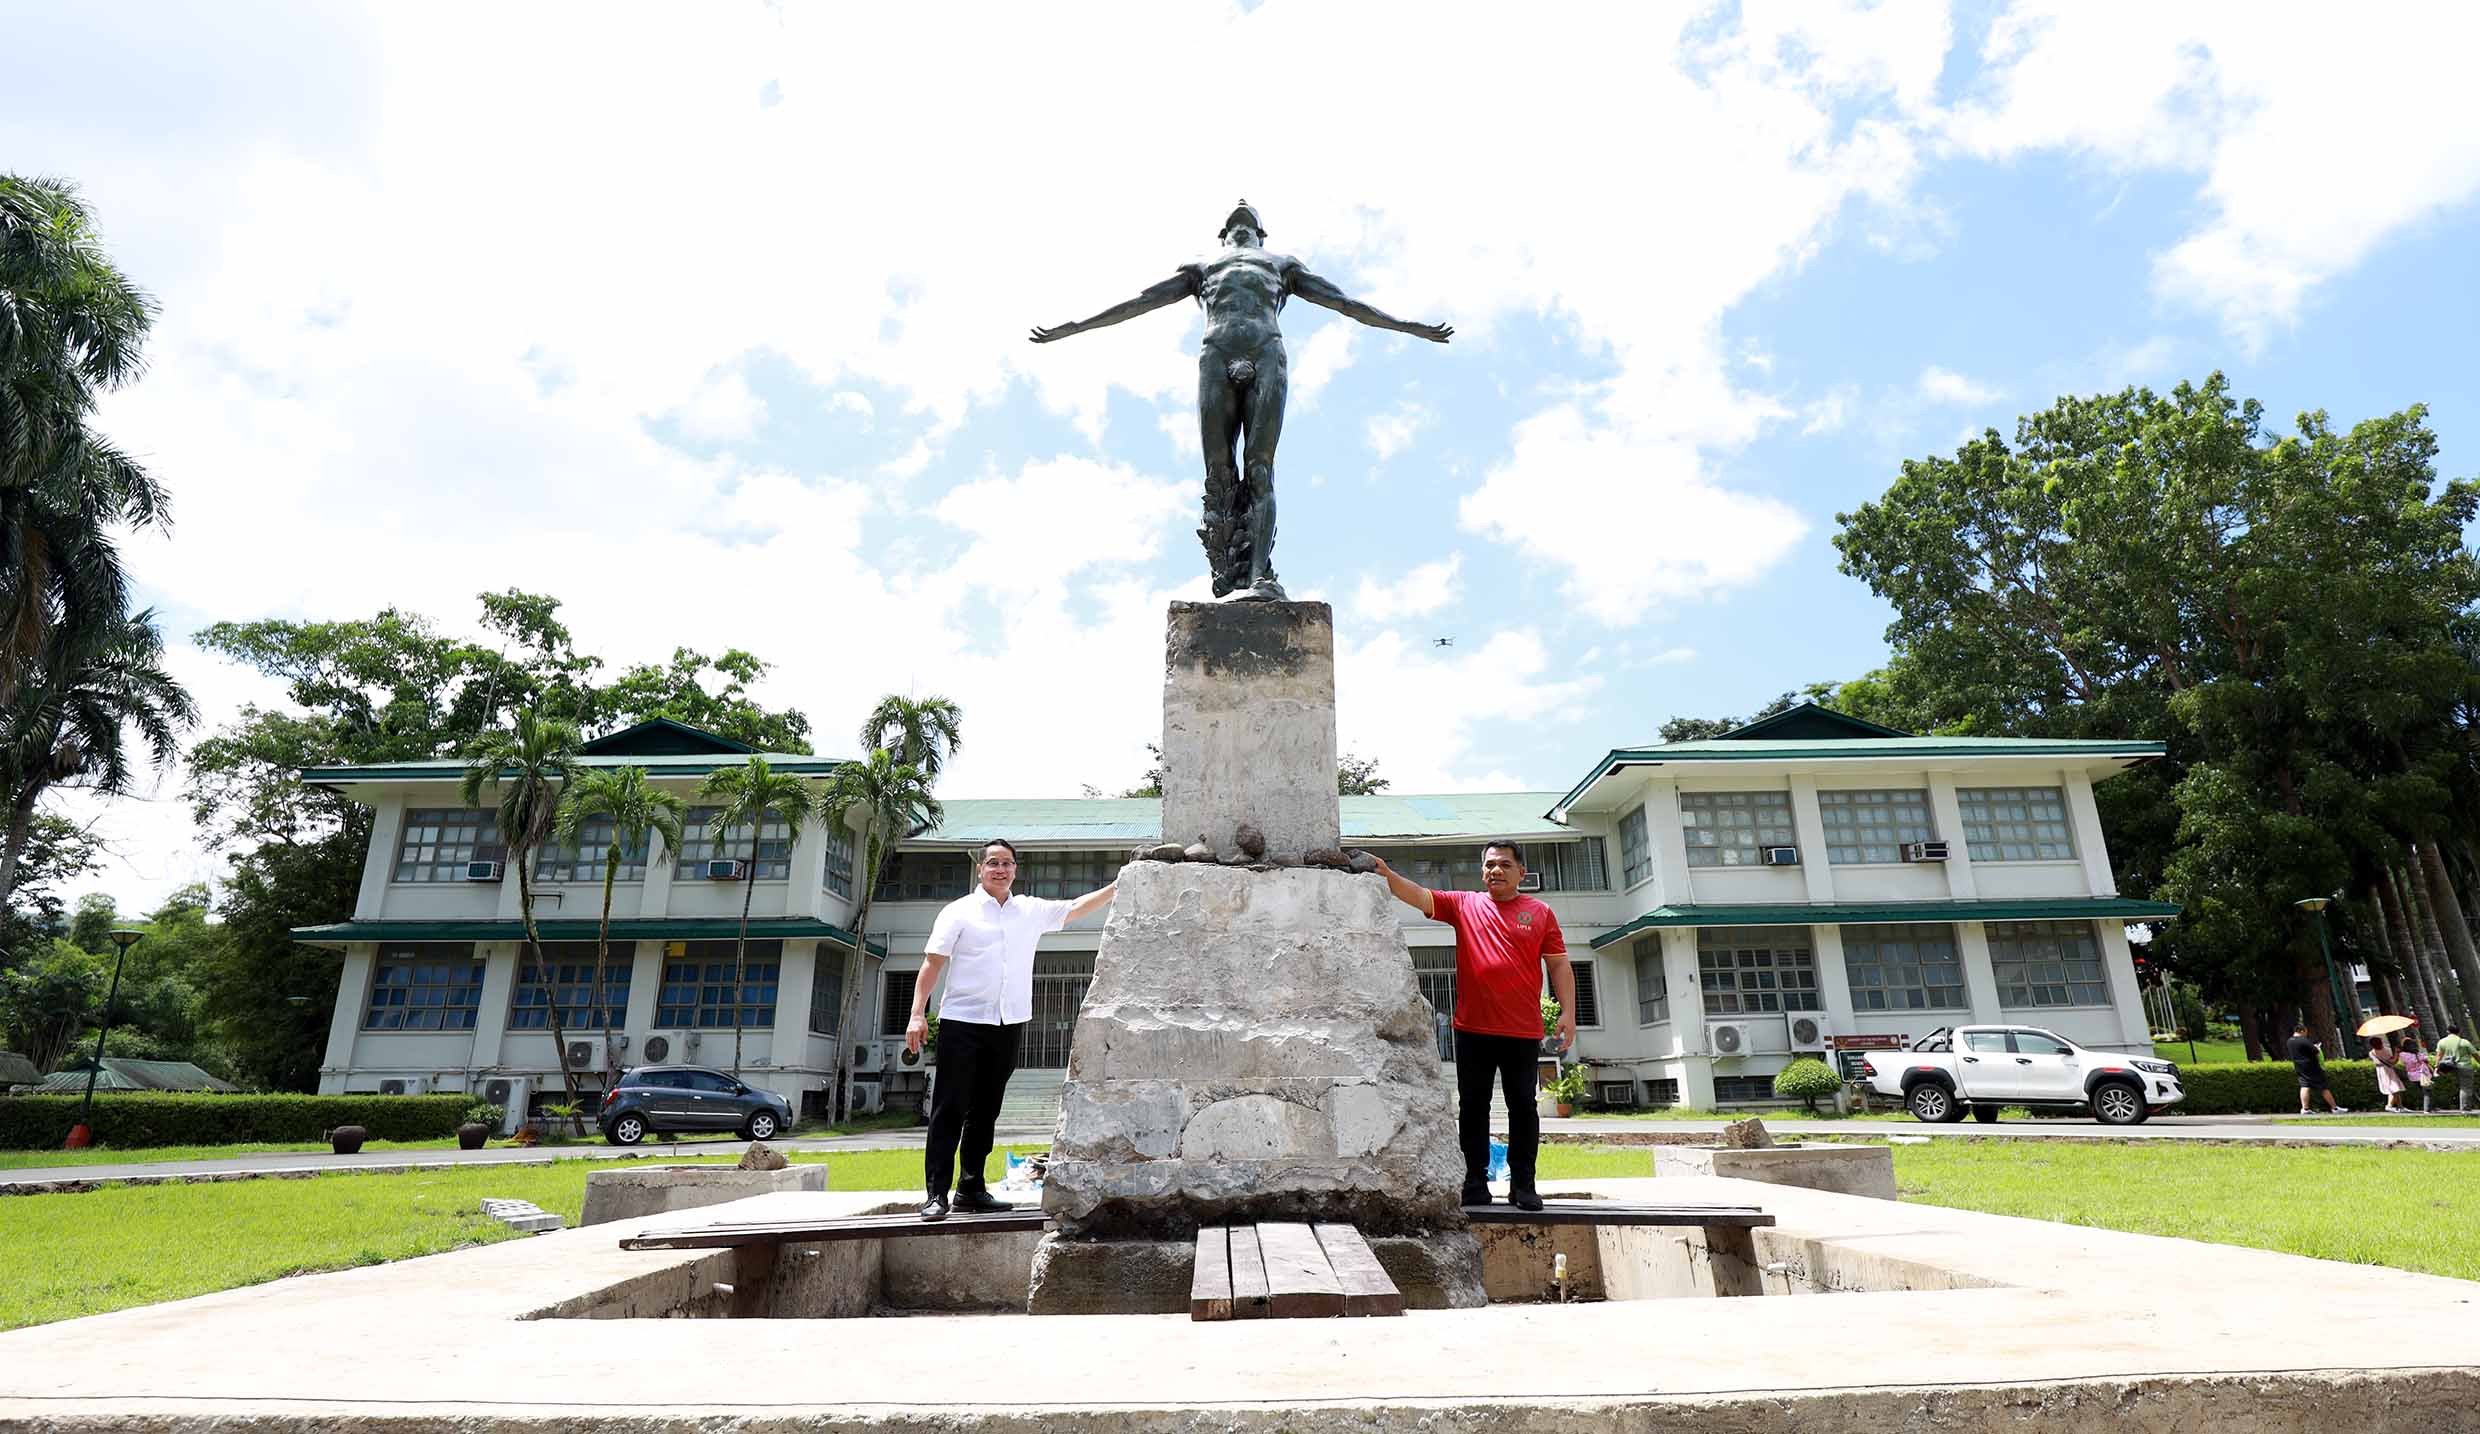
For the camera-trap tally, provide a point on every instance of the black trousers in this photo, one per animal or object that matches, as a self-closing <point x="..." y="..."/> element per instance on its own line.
<point x="1513" y="1062"/>
<point x="975" y="1062"/>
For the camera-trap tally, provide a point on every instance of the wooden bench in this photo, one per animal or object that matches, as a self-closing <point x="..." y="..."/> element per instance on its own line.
<point x="1288" y="1271"/>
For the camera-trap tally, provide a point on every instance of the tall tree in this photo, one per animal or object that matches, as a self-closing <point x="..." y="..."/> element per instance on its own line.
<point x="752" y="795"/>
<point x="880" y="800"/>
<point x="922" y="732"/>
<point x="638" y="811"/>
<point x="525" y="769"/>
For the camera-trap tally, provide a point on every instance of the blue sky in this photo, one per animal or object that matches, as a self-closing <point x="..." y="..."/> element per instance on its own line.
<point x="710" y="322"/>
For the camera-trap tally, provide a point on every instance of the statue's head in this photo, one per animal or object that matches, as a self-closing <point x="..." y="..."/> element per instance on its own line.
<point x="1243" y="227"/>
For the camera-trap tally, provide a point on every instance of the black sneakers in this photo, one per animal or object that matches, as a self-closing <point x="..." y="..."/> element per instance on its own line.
<point x="979" y="1202"/>
<point x="1476" y="1193"/>
<point x="934" y="1208"/>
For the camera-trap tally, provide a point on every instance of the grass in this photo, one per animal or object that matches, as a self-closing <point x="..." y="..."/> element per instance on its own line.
<point x="1824" y="1112"/>
<point x="70" y="1255"/>
<point x="2208" y="1053"/>
<point x="2409" y="1209"/>
<point x="151" y="1154"/>
<point x="2444" y="1119"/>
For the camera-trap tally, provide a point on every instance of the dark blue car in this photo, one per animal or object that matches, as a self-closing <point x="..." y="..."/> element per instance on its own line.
<point x="690" y="1100"/>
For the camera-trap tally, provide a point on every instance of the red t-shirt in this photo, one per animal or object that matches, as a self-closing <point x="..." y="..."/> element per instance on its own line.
<point x="1498" y="951"/>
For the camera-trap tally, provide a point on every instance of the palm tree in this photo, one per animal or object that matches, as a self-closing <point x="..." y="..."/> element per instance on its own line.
<point x="69" y="720"/>
<point x="70" y="329"/>
<point x="886" y="799"/>
<point x="637" y="810"/>
<point x="922" y="733"/>
<point x="527" y="767"/>
<point x="750" y="796"/>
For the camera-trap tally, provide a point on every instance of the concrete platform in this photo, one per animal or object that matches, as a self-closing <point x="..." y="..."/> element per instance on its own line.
<point x="1977" y="1321"/>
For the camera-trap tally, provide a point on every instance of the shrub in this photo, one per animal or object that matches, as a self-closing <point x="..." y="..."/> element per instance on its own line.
<point x="484" y="1113"/>
<point x="129" y="1121"/>
<point x="1804" y="1080"/>
<point x="2271" y="1087"/>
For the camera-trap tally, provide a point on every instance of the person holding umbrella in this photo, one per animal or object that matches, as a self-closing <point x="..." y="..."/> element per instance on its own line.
<point x="2389" y="1073"/>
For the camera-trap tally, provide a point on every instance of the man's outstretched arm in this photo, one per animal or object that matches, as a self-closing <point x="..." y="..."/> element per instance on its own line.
<point x="1326" y="296"/>
<point x="1170" y="291"/>
<point x="1410" y="893"/>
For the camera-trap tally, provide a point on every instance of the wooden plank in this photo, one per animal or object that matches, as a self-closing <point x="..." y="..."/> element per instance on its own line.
<point x="726" y="1234"/>
<point x="1300" y="1284"/>
<point x="1248" y="1274"/>
<point x="1598" y="1212"/>
<point x="1366" y="1288"/>
<point x="1209" y="1284"/>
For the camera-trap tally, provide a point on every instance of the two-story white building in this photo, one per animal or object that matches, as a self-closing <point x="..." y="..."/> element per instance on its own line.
<point x="1729" y="904"/>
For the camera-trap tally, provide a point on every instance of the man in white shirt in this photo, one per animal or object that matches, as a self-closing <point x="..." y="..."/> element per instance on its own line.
<point x="987" y="936"/>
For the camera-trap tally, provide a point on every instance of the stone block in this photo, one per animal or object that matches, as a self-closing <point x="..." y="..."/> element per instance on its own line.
<point x="653" y="1190"/>
<point x="959" y="1272"/>
<point x="1843" y="1169"/>
<point x="1249" y="725"/>
<point x="1435" y="1271"/>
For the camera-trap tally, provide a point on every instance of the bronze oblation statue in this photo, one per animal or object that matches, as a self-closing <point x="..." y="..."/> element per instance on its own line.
<point x="1242" y="376"/>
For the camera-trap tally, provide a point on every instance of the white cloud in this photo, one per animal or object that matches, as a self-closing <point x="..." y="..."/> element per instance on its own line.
<point x="1829" y="413"/>
<point x="1392" y="432"/>
<point x="857" y="404"/>
<point x="1420" y="592"/>
<point x="1324" y="354"/>
<point x="1416" y="707"/>
<point x="1940" y="385"/>
<point x="2250" y="97"/>
<point x="1670" y="655"/>
<point x="722" y="408"/>
<point x="1053" y="519"/>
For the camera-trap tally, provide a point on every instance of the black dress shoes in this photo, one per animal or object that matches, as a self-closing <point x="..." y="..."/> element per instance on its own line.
<point x="1476" y="1193"/>
<point x="979" y="1202"/>
<point x="1523" y="1198"/>
<point x="934" y="1208"/>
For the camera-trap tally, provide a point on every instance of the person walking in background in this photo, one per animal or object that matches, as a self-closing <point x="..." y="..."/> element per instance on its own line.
<point x="2455" y="1056"/>
<point x="2309" y="1061"/>
<point x="2389" y="1073"/>
<point x="2415" y="1067"/>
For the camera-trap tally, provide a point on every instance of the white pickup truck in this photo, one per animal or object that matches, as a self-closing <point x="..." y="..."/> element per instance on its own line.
<point x="1980" y="1068"/>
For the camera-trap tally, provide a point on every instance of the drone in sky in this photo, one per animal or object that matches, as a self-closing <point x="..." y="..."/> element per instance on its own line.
<point x="1442" y="642"/>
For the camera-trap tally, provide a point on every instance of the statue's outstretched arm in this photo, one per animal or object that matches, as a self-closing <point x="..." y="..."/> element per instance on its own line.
<point x="1326" y="296"/>
<point x="1170" y="291"/>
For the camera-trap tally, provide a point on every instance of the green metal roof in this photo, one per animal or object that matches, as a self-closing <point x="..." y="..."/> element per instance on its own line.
<point x="662" y="737"/>
<point x="641" y="928"/>
<point x="1812" y="721"/>
<point x="1872" y="913"/>
<point x="121" y="1073"/>
<point x="450" y="769"/>
<point x="17" y="1070"/>
<point x="1126" y="821"/>
<point x="1910" y="749"/>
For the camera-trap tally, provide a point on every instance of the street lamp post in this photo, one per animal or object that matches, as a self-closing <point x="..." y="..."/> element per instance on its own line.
<point x="2315" y="906"/>
<point x="83" y="1132"/>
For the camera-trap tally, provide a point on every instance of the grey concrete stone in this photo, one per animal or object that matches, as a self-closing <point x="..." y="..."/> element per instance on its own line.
<point x="1253" y="1046"/>
<point x="1249" y="723"/>
<point x="762" y="1156"/>
<point x="651" y="1190"/>
<point x="1844" y="1169"/>
<point x="1749" y="1134"/>
<point x="959" y="1272"/>
<point x="827" y="1279"/>
<point x="1250" y="840"/>
<point x="1435" y="1271"/>
<point x="1163" y="851"/>
<point x="1198" y="850"/>
<point x="1520" y="1262"/>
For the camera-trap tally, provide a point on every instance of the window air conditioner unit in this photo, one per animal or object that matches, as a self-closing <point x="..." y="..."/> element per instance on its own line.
<point x="1531" y="882"/>
<point x="1728" y="1038"/>
<point x="1778" y="856"/>
<point x="404" y="1085"/>
<point x="582" y="1055"/>
<point x="1808" y="1033"/>
<point x="482" y="871"/>
<point x="869" y="1056"/>
<point x="1924" y="851"/>
<point x="658" y="1049"/>
<point x="723" y="871"/>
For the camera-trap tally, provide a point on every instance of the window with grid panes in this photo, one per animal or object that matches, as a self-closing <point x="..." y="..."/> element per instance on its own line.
<point x="1061" y="875"/>
<point x="826" y="992"/>
<point x="1635" y="849"/>
<point x="1569" y="865"/>
<point x="897" y="1010"/>
<point x="584" y="862"/>
<point x="703" y="838"/>
<point x="1864" y="828"/>
<point x="571" y="964"/>
<point x="1653" y="985"/>
<point x="698" y="990"/>
<point x="1737" y="1088"/>
<point x="1662" y="1092"/>
<point x="1588" y="992"/>
<point x="1903" y="968"/>
<point x="438" y="841"/>
<point x="839" y="876"/>
<point x="924" y="876"/>
<point x="1726" y="828"/>
<point x="424" y="987"/>
<point x="1433" y="969"/>
<point x="2047" y="963"/>
<point x="2016" y="823"/>
<point x="1749" y="970"/>
<point x="1440" y="868"/>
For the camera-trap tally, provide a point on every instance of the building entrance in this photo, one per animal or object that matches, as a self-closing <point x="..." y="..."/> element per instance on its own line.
<point x="1059" y="984"/>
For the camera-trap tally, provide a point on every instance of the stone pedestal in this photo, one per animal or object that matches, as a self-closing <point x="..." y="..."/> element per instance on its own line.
<point x="1249" y="724"/>
<point x="1844" y="1169"/>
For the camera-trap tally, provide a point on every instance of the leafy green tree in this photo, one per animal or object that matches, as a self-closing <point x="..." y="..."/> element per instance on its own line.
<point x="1358" y="777"/>
<point x="638" y="811"/>
<point x="881" y="800"/>
<point x="58" y="851"/>
<point x="751" y="795"/>
<point x="922" y="733"/>
<point x="267" y="999"/>
<point x="526" y="768"/>
<point x="679" y="690"/>
<point x="46" y="1003"/>
<point x="91" y="928"/>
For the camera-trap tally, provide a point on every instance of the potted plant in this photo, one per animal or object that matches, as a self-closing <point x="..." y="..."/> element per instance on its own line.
<point x="1568" y="1088"/>
<point x="569" y="1119"/>
<point x="481" y="1118"/>
<point x="347" y="1139"/>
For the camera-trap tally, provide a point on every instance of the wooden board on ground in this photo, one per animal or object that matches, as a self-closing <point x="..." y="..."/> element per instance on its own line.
<point x="1300" y="1284"/>
<point x="1209" y="1284"/>
<point x="1248" y="1274"/>
<point x="1366" y="1288"/>
<point x="1605" y="1212"/>
<point x="725" y="1234"/>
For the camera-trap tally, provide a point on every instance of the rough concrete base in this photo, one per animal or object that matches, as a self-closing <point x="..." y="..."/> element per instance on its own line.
<point x="1123" y="1277"/>
<point x="962" y="1272"/>
<point x="1844" y="1169"/>
<point x="634" y="1194"/>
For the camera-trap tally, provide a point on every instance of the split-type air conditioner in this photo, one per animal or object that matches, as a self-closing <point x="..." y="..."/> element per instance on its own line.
<point x="404" y="1085"/>
<point x="1808" y="1033"/>
<point x="509" y="1094"/>
<point x="1728" y="1038"/>
<point x="658" y="1049"/>
<point x="869" y="1056"/>
<point x="585" y="1054"/>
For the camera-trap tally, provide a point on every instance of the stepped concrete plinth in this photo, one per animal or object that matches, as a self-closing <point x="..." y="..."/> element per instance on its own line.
<point x="1249" y="725"/>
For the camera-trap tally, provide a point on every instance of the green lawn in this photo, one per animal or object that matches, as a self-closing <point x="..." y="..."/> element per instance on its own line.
<point x="1824" y="1112"/>
<point x="146" y="1155"/>
<point x="2208" y="1053"/>
<point x="2445" y="1119"/>
<point x="2411" y="1209"/>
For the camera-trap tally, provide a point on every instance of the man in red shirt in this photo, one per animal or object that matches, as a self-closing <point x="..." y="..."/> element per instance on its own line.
<point x="1503" y="938"/>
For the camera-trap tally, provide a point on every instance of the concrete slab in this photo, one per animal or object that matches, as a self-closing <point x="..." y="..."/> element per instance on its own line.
<point x="1994" y="1321"/>
<point x="1847" y="1169"/>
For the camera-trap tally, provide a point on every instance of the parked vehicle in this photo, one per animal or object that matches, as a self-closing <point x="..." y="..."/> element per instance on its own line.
<point x="685" y="1100"/>
<point x="1980" y="1068"/>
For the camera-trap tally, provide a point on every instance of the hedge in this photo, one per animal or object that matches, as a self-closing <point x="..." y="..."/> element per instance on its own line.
<point x="128" y="1121"/>
<point x="2271" y="1087"/>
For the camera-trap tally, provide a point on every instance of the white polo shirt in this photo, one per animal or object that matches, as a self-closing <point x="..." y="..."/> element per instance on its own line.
<point x="989" y="951"/>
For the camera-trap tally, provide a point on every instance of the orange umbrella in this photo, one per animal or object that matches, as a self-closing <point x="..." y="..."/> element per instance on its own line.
<point x="2385" y="1025"/>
